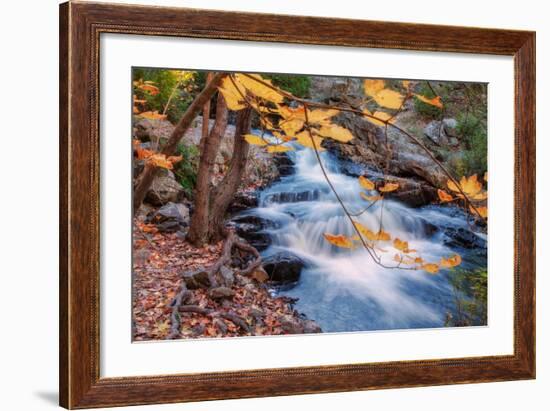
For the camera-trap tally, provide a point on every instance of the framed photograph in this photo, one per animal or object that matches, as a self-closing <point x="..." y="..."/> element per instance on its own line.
<point x="258" y="205"/>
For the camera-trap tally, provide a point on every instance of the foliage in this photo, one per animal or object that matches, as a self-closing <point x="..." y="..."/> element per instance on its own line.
<point x="157" y="159"/>
<point x="176" y="87"/>
<point x="473" y="132"/>
<point x="186" y="170"/>
<point x="295" y="84"/>
<point x="470" y="289"/>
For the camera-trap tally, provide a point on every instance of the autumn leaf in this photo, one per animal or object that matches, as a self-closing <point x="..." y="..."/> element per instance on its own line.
<point x="381" y="117"/>
<point x="160" y="160"/>
<point x="431" y="268"/>
<point x="153" y="90"/>
<point x="233" y="93"/>
<point x="372" y="87"/>
<point x="254" y="140"/>
<point x="406" y="84"/>
<point x="335" y="132"/>
<point x="253" y="83"/>
<point x="339" y="240"/>
<point x="451" y="261"/>
<point x="292" y="126"/>
<point x="366" y="183"/>
<point x="278" y="149"/>
<point x="319" y="115"/>
<point x="444" y="196"/>
<point x="370" y="198"/>
<point x="388" y="187"/>
<point x="402" y="246"/>
<point x="486" y="176"/>
<point x="436" y="101"/>
<point x="304" y="138"/>
<point x="389" y="99"/>
<point x="470" y="186"/>
<point x="383" y="236"/>
<point x="482" y="211"/>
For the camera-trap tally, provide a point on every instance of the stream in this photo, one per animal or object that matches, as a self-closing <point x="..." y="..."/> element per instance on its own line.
<point x="345" y="290"/>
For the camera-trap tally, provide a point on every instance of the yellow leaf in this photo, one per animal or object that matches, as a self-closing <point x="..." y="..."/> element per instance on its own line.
<point x="480" y="196"/>
<point x="383" y="236"/>
<point x="234" y="96"/>
<point x="292" y="126"/>
<point x="304" y="139"/>
<point x="436" y="101"/>
<point x="389" y="98"/>
<point x="370" y="198"/>
<point x="372" y="87"/>
<point x="319" y="115"/>
<point x="337" y="133"/>
<point x="366" y="183"/>
<point x="444" y="196"/>
<point x="470" y="185"/>
<point x="431" y="268"/>
<point x="259" y="89"/>
<point x="339" y="240"/>
<point x="278" y="149"/>
<point x="406" y="84"/>
<point x="255" y="140"/>
<point x="291" y="113"/>
<point x="451" y="261"/>
<point x="388" y="187"/>
<point x="401" y="245"/>
<point x="381" y="118"/>
<point x="482" y="211"/>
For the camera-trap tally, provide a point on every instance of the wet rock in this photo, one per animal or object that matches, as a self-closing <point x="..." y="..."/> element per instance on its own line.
<point x="219" y="293"/>
<point x="243" y="200"/>
<point x="293" y="197"/>
<point x="461" y="237"/>
<point x="251" y="228"/>
<point x="171" y="217"/>
<point x="442" y="133"/>
<point x="283" y="267"/>
<point x="196" y="279"/>
<point x="284" y="164"/>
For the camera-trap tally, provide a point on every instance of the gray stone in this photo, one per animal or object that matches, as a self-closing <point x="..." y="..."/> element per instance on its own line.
<point x="173" y="211"/>
<point x="283" y="267"/>
<point x="227" y="276"/>
<point x="164" y="189"/>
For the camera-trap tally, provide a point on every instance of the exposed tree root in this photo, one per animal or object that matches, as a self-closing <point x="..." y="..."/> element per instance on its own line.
<point x="178" y="303"/>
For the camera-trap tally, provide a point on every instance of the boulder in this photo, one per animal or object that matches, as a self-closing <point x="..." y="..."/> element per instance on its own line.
<point x="283" y="267"/>
<point x="284" y="164"/>
<point x="243" y="200"/>
<point x="442" y="133"/>
<point x="226" y="276"/>
<point x="164" y="189"/>
<point x="219" y="293"/>
<point x="251" y="228"/>
<point x="171" y="217"/>
<point x="151" y="130"/>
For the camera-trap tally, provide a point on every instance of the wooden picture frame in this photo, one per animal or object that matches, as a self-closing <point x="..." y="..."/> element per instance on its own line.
<point x="80" y="27"/>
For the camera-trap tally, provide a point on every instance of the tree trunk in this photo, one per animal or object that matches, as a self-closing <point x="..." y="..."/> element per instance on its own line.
<point x="223" y="194"/>
<point x="149" y="172"/>
<point x="198" y="232"/>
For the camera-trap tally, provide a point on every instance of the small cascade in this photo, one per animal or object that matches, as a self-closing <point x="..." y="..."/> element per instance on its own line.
<point x="343" y="289"/>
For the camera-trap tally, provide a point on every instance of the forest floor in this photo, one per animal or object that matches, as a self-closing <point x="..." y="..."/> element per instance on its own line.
<point x="159" y="261"/>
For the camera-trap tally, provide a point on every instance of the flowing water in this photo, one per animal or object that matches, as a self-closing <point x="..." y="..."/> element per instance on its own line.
<point x="343" y="289"/>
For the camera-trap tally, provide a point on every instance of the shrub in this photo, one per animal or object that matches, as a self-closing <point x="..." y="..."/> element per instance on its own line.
<point x="298" y="85"/>
<point x="473" y="134"/>
<point x="166" y="81"/>
<point x="470" y="288"/>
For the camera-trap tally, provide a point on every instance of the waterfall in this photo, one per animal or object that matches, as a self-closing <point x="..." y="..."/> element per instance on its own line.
<point x="343" y="289"/>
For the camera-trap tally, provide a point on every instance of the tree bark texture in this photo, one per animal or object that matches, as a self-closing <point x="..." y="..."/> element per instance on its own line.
<point x="198" y="231"/>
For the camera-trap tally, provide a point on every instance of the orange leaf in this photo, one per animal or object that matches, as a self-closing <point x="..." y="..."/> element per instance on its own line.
<point x="366" y="183"/>
<point x="436" y="101"/>
<point x="339" y="240"/>
<point x="388" y="187"/>
<point x="431" y="268"/>
<point x="482" y="211"/>
<point x="444" y="196"/>
<point x="451" y="261"/>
